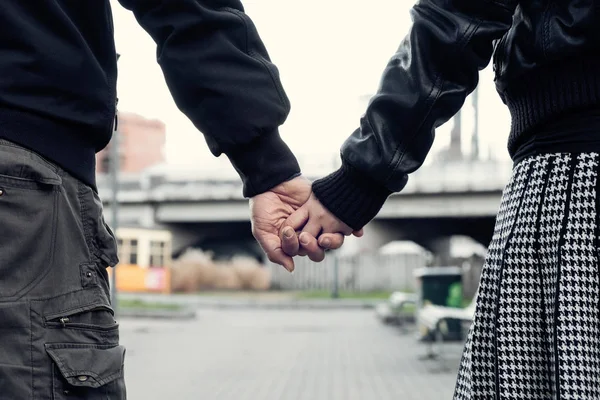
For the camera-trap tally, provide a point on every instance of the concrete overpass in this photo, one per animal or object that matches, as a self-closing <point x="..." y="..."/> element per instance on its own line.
<point x="439" y="201"/>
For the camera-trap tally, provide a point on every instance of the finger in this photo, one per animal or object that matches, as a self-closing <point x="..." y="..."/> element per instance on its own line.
<point x="272" y="248"/>
<point x="313" y="228"/>
<point x="297" y="219"/>
<point x="310" y="245"/>
<point x="359" y="233"/>
<point x="331" y="241"/>
<point x="289" y="242"/>
<point x="347" y="231"/>
<point x="301" y="251"/>
<point x="277" y="256"/>
<point x="337" y="227"/>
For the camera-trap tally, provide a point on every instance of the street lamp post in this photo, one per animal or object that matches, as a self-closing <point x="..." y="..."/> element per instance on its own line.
<point x="475" y="137"/>
<point x="335" y="293"/>
<point x="114" y="203"/>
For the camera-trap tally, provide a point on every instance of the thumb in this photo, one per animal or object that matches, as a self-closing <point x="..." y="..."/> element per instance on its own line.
<point x="289" y="241"/>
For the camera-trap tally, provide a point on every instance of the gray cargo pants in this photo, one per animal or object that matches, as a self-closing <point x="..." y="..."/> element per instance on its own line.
<point x="58" y="335"/>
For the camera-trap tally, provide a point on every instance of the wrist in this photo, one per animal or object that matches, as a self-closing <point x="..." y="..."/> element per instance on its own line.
<point x="351" y="197"/>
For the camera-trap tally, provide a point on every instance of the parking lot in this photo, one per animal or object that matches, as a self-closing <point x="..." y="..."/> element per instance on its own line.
<point x="281" y="355"/>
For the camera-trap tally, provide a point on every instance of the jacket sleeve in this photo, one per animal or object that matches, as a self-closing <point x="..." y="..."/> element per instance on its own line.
<point x="424" y="84"/>
<point x="221" y="77"/>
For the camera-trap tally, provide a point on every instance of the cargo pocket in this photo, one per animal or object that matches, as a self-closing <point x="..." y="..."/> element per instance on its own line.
<point x="28" y="199"/>
<point x="82" y="317"/>
<point x="85" y="371"/>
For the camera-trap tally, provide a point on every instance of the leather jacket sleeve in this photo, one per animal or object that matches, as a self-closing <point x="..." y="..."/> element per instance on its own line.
<point x="424" y="84"/>
<point x="221" y="77"/>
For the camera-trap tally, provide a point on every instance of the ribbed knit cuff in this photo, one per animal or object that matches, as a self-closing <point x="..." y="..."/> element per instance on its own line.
<point x="351" y="197"/>
<point x="549" y="91"/>
<point x="264" y="163"/>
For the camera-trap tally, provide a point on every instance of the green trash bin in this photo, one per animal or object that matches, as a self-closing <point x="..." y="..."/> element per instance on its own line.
<point x="441" y="286"/>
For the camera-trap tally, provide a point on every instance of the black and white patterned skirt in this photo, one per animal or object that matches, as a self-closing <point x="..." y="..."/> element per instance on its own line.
<point x="536" y="331"/>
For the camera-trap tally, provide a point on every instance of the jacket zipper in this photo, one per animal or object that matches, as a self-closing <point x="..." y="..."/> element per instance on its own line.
<point x="64" y="322"/>
<point x="116" y="121"/>
<point x="498" y="54"/>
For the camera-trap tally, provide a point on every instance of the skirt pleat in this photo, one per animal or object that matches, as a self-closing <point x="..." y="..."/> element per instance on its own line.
<point x="535" y="334"/>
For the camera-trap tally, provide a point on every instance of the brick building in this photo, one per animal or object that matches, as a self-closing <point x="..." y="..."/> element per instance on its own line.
<point x="141" y="144"/>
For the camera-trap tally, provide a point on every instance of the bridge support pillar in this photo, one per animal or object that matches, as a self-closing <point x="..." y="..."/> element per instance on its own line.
<point x="376" y="234"/>
<point x="184" y="237"/>
<point x="441" y="248"/>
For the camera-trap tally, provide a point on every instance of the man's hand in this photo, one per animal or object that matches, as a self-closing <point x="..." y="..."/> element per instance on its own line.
<point x="316" y="222"/>
<point x="269" y="212"/>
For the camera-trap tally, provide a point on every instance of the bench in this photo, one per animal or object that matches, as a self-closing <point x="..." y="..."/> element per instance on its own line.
<point x="432" y="321"/>
<point x="391" y="312"/>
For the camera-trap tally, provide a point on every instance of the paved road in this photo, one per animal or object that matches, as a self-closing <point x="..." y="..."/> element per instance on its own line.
<point x="280" y="355"/>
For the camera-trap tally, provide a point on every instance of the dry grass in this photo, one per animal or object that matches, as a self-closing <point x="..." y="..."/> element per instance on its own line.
<point x="196" y="270"/>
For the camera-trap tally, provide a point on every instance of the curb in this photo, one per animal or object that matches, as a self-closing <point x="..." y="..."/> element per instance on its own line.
<point x="224" y="303"/>
<point x="156" y="314"/>
<point x="290" y="304"/>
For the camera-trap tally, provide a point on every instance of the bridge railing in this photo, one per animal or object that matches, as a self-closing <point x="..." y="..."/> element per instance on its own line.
<point x="459" y="177"/>
<point x="435" y="178"/>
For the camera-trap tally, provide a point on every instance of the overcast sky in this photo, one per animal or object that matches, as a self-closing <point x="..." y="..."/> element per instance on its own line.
<point x="329" y="54"/>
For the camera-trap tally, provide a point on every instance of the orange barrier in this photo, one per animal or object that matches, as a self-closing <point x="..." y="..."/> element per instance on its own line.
<point x="133" y="278"/>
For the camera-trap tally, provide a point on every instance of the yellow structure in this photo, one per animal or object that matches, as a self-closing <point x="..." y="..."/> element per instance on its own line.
<point x="144" y="260"/>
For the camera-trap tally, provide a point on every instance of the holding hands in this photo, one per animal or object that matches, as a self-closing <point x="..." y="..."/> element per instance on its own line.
<point x="315" y="226"/>
<point x="270" y="212"/>
<point x="289" y="221"/>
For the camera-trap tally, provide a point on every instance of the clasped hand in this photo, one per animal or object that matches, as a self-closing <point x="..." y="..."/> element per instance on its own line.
<point x="289" y="221"/>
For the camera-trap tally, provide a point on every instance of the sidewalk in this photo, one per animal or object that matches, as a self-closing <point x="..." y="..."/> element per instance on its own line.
<point x="282" y="355"/>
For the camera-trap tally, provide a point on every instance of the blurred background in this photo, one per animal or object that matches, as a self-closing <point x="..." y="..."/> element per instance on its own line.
<point x="205" y="315"/>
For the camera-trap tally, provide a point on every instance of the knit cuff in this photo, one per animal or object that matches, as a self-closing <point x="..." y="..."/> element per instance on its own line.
<point x="264" y="163"/>
<point x="351" y="197"/>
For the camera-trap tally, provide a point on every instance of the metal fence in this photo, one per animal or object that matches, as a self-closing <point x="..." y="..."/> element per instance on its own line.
<point x="360" y="273"/>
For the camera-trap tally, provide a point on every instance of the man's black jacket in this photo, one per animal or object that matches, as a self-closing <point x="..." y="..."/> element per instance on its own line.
<point x="58" y="72"/>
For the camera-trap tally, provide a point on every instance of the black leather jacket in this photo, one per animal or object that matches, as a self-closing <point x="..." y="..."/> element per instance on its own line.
<point x="546" y="56"/>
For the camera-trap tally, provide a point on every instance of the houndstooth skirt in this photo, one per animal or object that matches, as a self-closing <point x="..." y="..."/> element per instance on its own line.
<point x="536" y="331"/>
